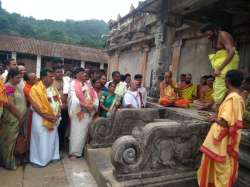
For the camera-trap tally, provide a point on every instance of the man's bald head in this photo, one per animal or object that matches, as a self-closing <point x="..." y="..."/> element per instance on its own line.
<point x="168" y="74"/>
<point x="168" y="77"/>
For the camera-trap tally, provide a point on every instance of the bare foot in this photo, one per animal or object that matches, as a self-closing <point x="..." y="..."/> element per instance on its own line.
<point x="72" y="157"/>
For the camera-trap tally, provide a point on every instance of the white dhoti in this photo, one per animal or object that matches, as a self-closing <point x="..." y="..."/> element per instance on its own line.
<point x="78" y="128"/>
<point x="44" y="144"/>
<point x="78" y="134"/>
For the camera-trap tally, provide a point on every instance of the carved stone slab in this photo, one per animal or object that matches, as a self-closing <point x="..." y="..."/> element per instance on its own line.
<point x="104" y="131"/>
<point x="160" y="148"/>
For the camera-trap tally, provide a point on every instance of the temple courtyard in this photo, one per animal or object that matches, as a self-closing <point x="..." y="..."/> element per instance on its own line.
<point x="64" y="173"/>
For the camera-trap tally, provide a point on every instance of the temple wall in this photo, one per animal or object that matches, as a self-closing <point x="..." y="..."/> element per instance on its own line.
<point x="194" y="58"/>
<point x="129" y="62"/>
<point x="244" y="51"/>
<point x="152" y="57"/>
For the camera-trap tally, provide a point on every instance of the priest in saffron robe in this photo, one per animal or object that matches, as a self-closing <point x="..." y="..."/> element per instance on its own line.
<point x="219" y="165"/>
<point x="169" y="93"/>
<point x="46" y="105"/>
<point x="188" y="90"/>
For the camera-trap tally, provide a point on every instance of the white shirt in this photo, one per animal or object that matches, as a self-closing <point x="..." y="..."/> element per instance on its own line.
<point x="66" y="84"/>
<point x="132" y="98"/>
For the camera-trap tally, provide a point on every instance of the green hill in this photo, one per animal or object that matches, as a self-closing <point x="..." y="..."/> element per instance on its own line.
<point x="85" y="33"/>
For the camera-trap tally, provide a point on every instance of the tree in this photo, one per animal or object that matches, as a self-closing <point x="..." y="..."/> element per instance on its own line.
<point x="56" y="36"/>
<point x="86" y="33"/>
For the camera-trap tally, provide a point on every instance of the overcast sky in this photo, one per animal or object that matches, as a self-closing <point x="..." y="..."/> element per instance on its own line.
<point x="70" y="9"/>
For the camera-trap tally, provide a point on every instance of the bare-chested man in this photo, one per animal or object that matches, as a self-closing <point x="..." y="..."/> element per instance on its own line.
<point x="225" y="58"/>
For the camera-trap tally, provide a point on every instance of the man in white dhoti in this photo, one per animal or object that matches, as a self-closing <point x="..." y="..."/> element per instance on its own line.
<point x="46" y="103"/>
<point x="132" y="98"/>
<point x="82" y="104"/>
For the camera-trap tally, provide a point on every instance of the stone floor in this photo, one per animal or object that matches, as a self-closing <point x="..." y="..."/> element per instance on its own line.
<point x="64" y="173"/>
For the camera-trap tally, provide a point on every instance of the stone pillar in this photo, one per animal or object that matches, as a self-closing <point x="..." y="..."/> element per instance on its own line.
<point x="176" y="59"/>
<point x="14" y="55"/>
<point x="102" y="66"/>
<point x="38" y="65"/>
<point x="164" y="39"/>
<point x="109" y="66"/>
<point x="83" y="64"/>
<point x="116" y="61"/>
<point x="144" y="61"/>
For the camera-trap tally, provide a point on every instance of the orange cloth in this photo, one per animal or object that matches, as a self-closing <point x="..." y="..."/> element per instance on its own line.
<point x="38" y="94"/>
<point x="26" y="90"/>
<point x="169" y="96"/>
<point x="220" y="149"/>
<point x="183" y="103"/>
<point x="165" y="101"/>
<point x="3" y="95"/>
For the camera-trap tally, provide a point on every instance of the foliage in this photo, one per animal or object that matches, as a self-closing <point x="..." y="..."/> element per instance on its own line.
<point x="85" y="33"/>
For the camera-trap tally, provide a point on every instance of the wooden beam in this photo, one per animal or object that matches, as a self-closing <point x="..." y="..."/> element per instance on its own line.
<point x="183" y="7"/>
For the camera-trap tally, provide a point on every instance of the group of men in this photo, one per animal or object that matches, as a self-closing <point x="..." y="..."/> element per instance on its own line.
<point x="186" y="93"/>
<point x="48" y="120"/>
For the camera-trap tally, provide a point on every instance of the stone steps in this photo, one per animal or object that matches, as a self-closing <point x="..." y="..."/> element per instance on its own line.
<point x="101" y="168"/>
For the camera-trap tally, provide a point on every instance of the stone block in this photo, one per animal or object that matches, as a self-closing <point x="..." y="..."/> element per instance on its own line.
<point x="104" y="131"/>
<point x="161" y="148"/>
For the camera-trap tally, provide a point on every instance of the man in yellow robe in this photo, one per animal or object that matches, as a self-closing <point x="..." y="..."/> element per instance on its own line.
<point x="169" y="93"/>
<point x="188" y="90"/>
<point x="219" y="166"/>
<point x="225" y="59"/>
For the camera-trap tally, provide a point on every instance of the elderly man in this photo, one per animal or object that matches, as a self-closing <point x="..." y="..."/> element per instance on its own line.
<point x="22" y="70"/>
<point x="132" y="97"/>
<point x="46" y="103"/>
<point x="188" y="90"/>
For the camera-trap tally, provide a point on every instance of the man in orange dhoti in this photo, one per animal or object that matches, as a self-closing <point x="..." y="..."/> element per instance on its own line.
<point x="168" y="93"/>
<point x="219" y="166"/>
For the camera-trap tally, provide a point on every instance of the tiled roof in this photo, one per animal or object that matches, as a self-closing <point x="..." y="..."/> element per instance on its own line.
<point x="51" y="49"/>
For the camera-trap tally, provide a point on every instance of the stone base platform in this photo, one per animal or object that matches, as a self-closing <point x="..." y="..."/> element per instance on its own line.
<point x="101" y="168"/>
